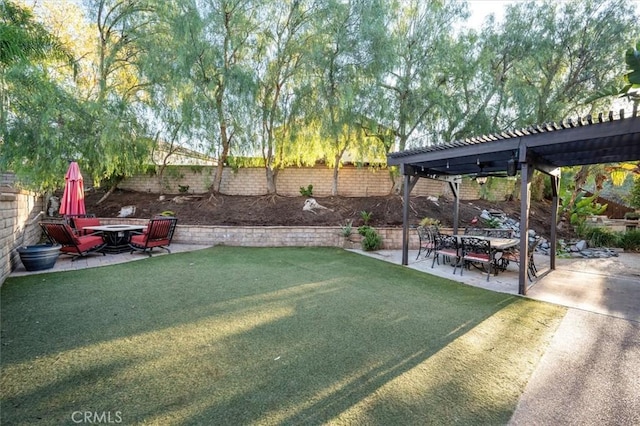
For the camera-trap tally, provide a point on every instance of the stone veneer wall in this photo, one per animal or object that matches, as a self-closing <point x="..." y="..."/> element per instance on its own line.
<point x="352" y="182"/>
<point x="278" y="236"/>
<point x="18" y="214"/>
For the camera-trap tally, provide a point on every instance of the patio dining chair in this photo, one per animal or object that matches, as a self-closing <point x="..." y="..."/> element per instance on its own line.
<point x="514" y="256"/>
<point x="447" y="247"/>
<point x="478" y="251"/>
<point x="159" y="233"/>
<point x="473" y="230"/>
<point x="72" y="244"/>
<point x="427" y="241"/>
<point x="499" y="233"/>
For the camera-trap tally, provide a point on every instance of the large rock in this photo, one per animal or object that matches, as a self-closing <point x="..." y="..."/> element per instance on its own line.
<point x="581" y="245"/>
<point x="310" y="204"/>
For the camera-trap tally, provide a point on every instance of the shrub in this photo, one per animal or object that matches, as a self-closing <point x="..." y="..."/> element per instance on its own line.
<point x="306" y="192"/>
<point x="599" y="237"/>
<point x="346" y="228"/>
<point x="634" y="196"/>
<point x="183" y="189"/>
<point x="632" y="215"/>
<point x="362" y="230"/>
<point x="366" y="217"/>
<point x="372" y="240"/>
<point x="493" y="222"/>
<point x="429" y="221"/>
<point x="630" y="240"/>
<point x="582" y="207"/>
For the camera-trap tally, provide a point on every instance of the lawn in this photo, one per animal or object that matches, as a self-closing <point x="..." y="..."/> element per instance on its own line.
<point x="232" y="335"/>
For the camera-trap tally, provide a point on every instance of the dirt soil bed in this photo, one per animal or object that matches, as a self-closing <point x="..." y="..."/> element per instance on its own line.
<point x="204" y="209"/>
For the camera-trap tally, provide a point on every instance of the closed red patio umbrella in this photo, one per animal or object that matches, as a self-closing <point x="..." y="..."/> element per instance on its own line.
<point x="72" y="202"/>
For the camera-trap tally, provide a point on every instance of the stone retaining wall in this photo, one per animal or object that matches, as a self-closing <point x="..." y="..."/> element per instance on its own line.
<point x="18" y="210"/>
<point x="277" y="236"/>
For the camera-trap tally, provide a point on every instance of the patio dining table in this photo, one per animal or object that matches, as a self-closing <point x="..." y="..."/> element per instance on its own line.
<point x="498" y="246"/>
<point x="116" y="237"/>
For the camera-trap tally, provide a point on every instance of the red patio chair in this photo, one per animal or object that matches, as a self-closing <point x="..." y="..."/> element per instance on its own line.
<point x="72" y="244"/>
<point x="81" y="222"/>
<point x="159" y="233"/>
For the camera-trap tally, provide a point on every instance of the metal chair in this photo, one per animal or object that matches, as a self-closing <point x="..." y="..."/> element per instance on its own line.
<point x="514" y="256"/>
<point x="472" y="230"/>
<point x="478" y="251"/>
<point x="72" y="244"/>
<point x="159" y="234"/>
<point x="427" y="241"/>
<point x="447" y="247"/>
<point x="499" y="233"/>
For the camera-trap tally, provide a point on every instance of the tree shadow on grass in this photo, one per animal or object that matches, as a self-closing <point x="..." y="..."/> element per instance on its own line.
<point x="298" y="337"/>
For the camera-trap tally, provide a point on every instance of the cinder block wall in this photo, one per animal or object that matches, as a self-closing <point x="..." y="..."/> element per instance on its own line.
<point x="18" y="209"/>
<point x="276" y="236"/>
<point x="352" y="182"/>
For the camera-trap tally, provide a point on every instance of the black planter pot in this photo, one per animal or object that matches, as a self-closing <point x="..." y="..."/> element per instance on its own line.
<point x="39" y="257"/>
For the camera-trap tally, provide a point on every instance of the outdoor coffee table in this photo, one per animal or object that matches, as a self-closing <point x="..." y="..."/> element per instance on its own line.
<point x="116" y="237"/>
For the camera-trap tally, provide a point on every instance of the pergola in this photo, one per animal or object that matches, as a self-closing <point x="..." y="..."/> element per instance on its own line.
<point x="607" y="138"/>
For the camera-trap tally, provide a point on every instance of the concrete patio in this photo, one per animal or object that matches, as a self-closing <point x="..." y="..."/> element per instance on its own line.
<point x="64" y="262"/>
<point x="609" y="286"/>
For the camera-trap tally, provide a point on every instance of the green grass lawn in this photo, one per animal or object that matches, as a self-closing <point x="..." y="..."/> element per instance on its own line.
<point x="239" y="336"/>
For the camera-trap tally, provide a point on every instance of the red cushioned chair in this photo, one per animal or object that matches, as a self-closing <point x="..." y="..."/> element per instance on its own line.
<point x="478" y="251"/>
<point x="81" y="222"/>
<point x="159" y="233"/>
<point x="72" y="244"/>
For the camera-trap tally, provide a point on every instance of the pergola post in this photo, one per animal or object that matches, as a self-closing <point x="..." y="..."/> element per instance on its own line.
<point x="405" y="220"/>
<point x="525" y="197"/>
<point x="555" y="184"/>
<point x="455" y="189"/>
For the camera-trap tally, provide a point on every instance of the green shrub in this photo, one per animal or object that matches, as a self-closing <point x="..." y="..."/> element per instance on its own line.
<point x="632" y="215"/>
<point x="183" y="189"/>
<point x="306" y="192"/>
<point x="346" y="229"/>
<point x="372" y="240"/>
<point x="630" y="240"/>
<point x="493" y="222"/>
<point x="599" y="237"/>
<point x="362" y="230"/>
<point x="634" y="196"/>
<point x="581" y="208"/>
<point x="429" y="221"/>
<point x="366" y="217"/>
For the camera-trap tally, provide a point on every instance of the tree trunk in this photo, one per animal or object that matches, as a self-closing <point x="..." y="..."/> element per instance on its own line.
<point x="272" y="176"/>
<point x="334" y="186"/>
<point x="110" y="191"/>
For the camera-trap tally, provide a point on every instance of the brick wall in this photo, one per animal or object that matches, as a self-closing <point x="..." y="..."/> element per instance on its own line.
<point x="18" y="210"/>
<point x="352" y="182"/>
